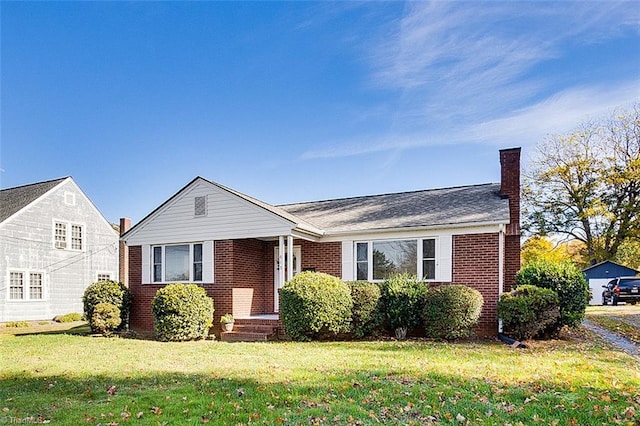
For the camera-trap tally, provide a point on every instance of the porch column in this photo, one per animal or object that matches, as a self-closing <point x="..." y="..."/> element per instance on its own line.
<point x="289" y="257"/>
<point x="280" y="261"/>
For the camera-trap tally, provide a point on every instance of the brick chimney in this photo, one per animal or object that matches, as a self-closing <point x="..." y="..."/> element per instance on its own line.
<point x="123" y="259"/>
<point x="510" y="188"/>
<point x="510" y="185"/>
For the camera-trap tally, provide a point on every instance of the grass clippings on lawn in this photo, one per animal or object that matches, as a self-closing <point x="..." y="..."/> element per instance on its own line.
<point x="72" y="379"/>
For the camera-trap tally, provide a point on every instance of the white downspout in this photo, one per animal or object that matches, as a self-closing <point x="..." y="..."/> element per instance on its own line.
<point x="500" y="268"/>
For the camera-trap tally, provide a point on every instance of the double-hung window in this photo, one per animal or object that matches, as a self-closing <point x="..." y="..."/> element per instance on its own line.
<point x="379" y="259"/>
<point x="177" y="263"/>
<point x="26" y="285"/>
<point x="68" y="236"/>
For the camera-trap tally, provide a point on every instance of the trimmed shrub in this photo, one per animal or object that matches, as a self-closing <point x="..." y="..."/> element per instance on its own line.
<point x="403" y="298"/>
<point x="105" y="318"/>
<point x="451" y="311"/>
<point x="366" y="315"/>
<point x="567" y="281"/>
<point x="314" y="305"/>
<point x="107" y="292"/>
<point x="70" y="317"/>
<point x="528" y="310"/>
<point x="182" y="312"/>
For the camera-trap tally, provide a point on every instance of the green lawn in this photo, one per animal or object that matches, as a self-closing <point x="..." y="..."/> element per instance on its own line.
<point x="74" y="379"/>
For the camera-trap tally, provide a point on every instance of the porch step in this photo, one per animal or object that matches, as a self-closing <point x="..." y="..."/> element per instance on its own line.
<point x="244" y="336"/>
<point x="247" y="330"/>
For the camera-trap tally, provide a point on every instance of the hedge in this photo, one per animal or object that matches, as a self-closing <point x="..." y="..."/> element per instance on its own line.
<point x="528" y="310"/>
<point x="403" y="298"/>
<point x="366" y="315"/>
<point x="567" y="281"/>
<point x="182" y="312"/>
<point x="111" y="292"/>
<point x="315" y="305"/>
<point x="451" y="311"/>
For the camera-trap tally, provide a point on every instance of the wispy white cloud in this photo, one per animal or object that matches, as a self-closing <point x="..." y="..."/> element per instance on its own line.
<point x="466" y="71"/>
<point x="558" y="114"/>
<point x="524" y="127"/>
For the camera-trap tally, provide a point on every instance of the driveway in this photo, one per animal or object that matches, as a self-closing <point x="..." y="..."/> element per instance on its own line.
<point x="617" y="325"/>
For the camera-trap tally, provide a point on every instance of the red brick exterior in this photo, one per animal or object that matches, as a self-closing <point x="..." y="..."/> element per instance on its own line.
<point x="244" y="269"/>
<point x="123" y="253"/>
<point x="244" y="281"/>
<point x="475" y="264"/>
<point x="510" y="187"/>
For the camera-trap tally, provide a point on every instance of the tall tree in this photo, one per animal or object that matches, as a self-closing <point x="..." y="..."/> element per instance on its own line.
<point x="586" y="185"/>
<point x="538" y="248"/>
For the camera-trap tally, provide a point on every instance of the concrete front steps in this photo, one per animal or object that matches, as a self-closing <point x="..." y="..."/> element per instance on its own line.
<point x="253" y="330"/>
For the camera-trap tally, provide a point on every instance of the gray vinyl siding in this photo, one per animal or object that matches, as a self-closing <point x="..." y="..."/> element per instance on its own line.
<point x="228" y="217"/>
<point x="27" y="245"/>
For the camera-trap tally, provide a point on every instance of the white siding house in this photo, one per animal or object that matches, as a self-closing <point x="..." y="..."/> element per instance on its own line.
<point x="53" y="244"/>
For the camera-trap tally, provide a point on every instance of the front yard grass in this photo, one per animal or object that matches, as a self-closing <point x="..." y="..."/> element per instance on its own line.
<point x="73" y="379"/>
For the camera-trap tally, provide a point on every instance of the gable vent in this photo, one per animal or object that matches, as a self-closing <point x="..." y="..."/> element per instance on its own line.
<point x="200" y="206"/>
<point x="70" y="198"/>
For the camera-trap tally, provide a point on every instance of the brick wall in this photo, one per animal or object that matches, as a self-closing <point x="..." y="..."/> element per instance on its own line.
<point x="239" y="271"/>
<point x="475" y="264"/>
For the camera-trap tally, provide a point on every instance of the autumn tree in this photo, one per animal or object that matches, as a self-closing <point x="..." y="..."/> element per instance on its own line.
<point x="538" y="248"/>
<point x="585" y="185"/>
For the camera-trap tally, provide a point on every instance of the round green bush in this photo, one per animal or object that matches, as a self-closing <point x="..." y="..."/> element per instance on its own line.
<point x="567" y="281"/>
<point x="182" y="312"/>
<point x="403" y="298"/>
<point x="366" y="315"/>
<point x="314" y="305"/>
<point x="107" y="292"/>
<point x="451" y="311"/>
<point x="528" y="310"/>
<point x="105" y="318"/>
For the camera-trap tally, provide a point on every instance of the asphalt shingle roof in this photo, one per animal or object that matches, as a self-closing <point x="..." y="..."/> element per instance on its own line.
<point x="433" y="207"/>
<point x="15" y="199"/>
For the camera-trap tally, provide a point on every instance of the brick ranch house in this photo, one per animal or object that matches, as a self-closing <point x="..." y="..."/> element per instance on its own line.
<point x="237" y="247"/>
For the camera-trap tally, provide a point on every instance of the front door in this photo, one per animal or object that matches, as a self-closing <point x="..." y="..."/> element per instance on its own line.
<point x="276" y="269"/>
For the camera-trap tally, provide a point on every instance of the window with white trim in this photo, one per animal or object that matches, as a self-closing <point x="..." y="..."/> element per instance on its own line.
<point x="35" y="285"/>
<point x="68" y="236"/>
<point x="104" y="276"/>
<point x="60" y="235"/>
<point x="26" y="285"/>
<point x="76" y="237"/>
<point x="177" y="263"/>
<point x="379" y="259"/>
<point x="16" y="285"/>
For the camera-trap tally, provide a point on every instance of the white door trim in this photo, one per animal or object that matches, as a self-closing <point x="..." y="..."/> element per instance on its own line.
<point x="277" y="281"/>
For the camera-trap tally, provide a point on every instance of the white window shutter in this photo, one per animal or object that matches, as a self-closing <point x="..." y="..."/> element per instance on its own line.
<point x="146" y="264"/>
<point x="445" y="259"/>
<point x="207" y="262"/>
<point x="347" y="261"/>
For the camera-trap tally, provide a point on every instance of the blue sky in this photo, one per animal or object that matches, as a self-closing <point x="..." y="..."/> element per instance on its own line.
<point x="298" y="101"/>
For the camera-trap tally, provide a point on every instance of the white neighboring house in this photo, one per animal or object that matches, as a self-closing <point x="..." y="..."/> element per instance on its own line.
<point x="53" y="244"/>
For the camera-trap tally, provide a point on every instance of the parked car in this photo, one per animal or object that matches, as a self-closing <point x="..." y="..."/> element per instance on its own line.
<point x="622" y="289"/>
